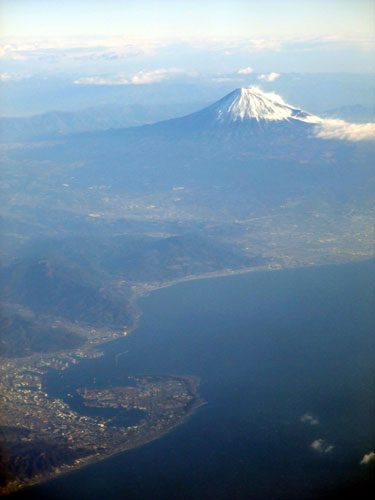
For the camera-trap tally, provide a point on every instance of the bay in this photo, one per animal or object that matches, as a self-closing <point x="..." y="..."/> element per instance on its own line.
<point x="286" y="361"/>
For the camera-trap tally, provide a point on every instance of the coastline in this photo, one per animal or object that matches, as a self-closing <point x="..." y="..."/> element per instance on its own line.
<point x="141" y="291"/>
<point x="93" y="459"/>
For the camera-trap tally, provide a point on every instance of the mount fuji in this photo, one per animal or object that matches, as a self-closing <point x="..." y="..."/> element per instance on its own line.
<point x="250" y="111"/>
<point x="250" y="141"/>
<point x="247" y="110"/>
<point x="252" y="104"/>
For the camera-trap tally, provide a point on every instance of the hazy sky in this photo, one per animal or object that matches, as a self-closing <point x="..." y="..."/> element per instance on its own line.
<point x="144" y="41"/>
<point x="188" y="18"/>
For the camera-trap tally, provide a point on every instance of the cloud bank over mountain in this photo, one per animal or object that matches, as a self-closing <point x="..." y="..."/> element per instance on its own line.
<point x="340" y="129"/>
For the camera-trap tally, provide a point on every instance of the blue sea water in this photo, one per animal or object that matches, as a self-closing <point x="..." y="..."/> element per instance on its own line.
<point x="269" y="348"/>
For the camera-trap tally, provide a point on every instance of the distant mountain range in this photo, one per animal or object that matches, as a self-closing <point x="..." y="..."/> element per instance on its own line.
<point x="250" y="142"/>
<point x="103" y="117"/>
<point x="112" y="116"/>
<point x="355" y="113"/>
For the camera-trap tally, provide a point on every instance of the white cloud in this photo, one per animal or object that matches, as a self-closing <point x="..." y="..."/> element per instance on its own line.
<point x="228" y="46"/>
<point x="158" y="75"/>
<point x="224" y="79"/>
<point x="140" y="78"/>
<point x="321" y="446"/>
<point x="76" y="50"/>
<point x="5" y="77"/>
<point x="309" y="419"/>
<point x="339" y="129"/>
<point x="245" y="71"/>
<point x="369" y="458"/>
<point x="13" y="77"/>
<point x="122" y="46"/>
<point x="270" y="77"/>
<point x="260" y="44"/>
<point x="270" y="95"/>
<point x="103" y="80"/>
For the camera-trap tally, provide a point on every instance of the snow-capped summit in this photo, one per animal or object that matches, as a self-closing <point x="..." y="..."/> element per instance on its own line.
<point x="251" y="111"/>
<point x="253" y="104"/>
